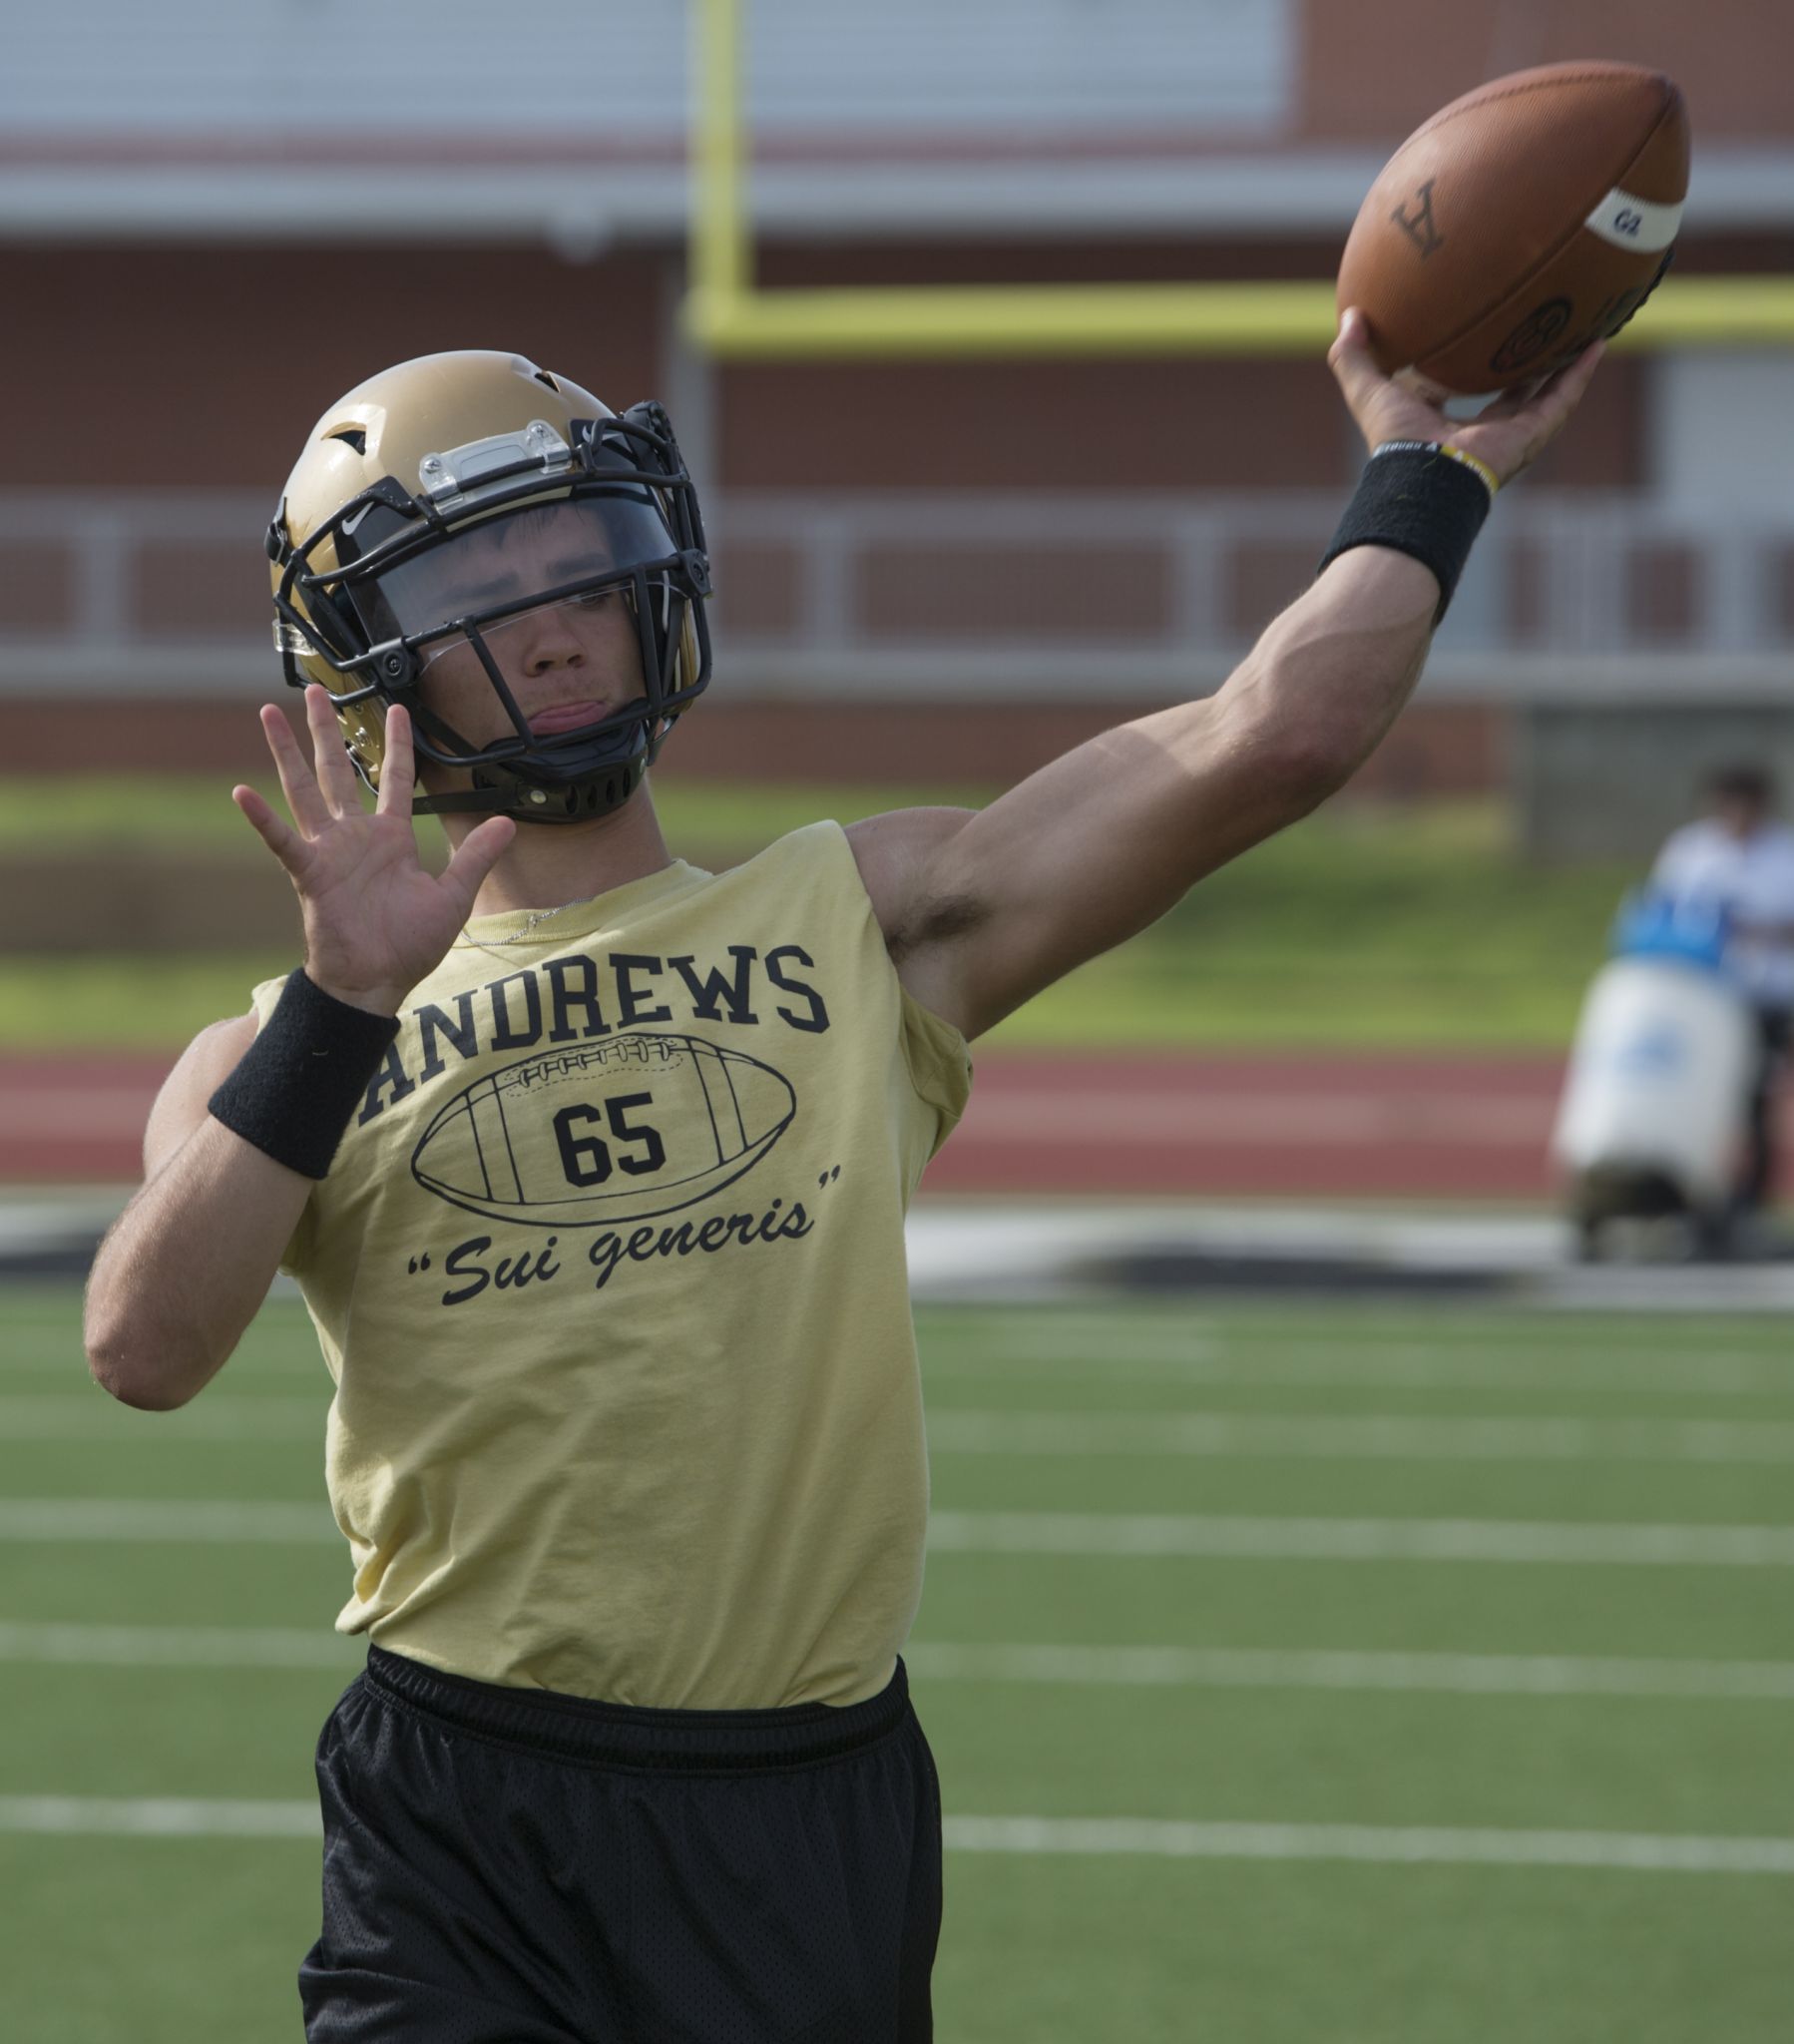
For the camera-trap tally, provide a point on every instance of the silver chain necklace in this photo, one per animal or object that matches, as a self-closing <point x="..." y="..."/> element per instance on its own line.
<point x="535" y="915"/>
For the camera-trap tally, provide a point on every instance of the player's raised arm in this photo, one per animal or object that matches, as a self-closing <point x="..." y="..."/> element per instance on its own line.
<point x="247" y="1122"/>
<point x="982" y="910"/>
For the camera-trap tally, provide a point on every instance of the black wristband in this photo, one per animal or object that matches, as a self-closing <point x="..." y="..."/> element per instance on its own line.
<point x="1424" y="499"/>
<point x="295" y="1086"/>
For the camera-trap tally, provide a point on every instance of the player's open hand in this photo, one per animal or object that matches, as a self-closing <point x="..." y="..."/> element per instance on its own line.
<point x="375" y="921"/>
<point x="1509" y="436"/>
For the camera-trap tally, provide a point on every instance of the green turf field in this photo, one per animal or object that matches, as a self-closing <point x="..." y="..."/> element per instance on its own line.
<point x="1264" y="1795"/>
<point x="1400" y="929"/>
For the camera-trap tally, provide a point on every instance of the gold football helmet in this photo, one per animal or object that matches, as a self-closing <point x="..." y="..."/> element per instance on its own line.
<point x="376" y="569"/>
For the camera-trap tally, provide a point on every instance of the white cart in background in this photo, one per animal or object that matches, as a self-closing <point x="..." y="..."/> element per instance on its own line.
<point x="1650" y="1127"/>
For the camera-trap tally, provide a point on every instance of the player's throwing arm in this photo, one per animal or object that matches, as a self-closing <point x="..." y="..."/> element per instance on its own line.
<point x="1476" y="265"/>
<point x="1101" y="842"/>
<point x="245" y="1124"/>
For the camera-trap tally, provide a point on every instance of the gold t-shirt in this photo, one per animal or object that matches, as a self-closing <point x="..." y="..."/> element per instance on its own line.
<point x="610" y="1273"/>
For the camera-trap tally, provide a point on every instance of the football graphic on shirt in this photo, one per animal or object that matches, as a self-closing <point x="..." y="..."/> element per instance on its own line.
<point x="593" y="1134"/>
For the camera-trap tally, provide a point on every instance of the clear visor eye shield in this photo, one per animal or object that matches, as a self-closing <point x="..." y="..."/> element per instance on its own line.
<point x="511" y="546"/>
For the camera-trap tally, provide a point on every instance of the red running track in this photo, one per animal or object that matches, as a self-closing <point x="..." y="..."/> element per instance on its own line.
<point x="1324" y="1127"/>
<point x="1040" y="1122"/>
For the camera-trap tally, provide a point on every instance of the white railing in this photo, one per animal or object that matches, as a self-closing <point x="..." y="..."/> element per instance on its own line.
<point x="968" y="594"/>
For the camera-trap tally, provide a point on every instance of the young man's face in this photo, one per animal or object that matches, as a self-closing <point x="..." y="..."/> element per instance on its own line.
<point x="567" y="663"/>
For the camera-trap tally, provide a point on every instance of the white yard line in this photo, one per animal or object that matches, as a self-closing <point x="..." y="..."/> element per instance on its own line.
<point x="1624" y="1852"/>
<point x="1266" y="1668"/>
<point x="1273" y="1668"/>
<point x="157" y="1817"/>
<point x="1455" y="1329"/>
<point x="180" y="1646"/>
<point x="166" y="1816"/>
<point x="93" y="1416"/>
<point x="1133" y="1536"/>
<point x="72" y="1366"/>
<point x="176" y="1519"/>
<point x="1354" y="1436"/>
<point x="1111" y="1534"/>
<point x="1324" y="1437"/>
<point x="1362" y="1367"/>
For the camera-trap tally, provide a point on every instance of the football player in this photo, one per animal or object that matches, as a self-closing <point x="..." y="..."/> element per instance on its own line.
<point x="593" y="1168"/>
<point x="1738" y="860"/>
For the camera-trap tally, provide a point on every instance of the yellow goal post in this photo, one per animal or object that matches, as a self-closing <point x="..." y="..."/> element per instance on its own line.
<point x="725" y="313"/>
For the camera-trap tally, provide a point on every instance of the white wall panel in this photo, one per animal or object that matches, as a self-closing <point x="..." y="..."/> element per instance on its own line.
<point x="439" y="68"/>
<point x="1724" y="432"/>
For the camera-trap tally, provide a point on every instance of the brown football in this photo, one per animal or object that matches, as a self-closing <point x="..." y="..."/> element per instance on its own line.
<point x="1522" y="221"/>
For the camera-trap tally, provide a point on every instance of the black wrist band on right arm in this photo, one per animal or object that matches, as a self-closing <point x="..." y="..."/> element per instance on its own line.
<point x="1423" y="498"/>
<point x="295" y="1086"/>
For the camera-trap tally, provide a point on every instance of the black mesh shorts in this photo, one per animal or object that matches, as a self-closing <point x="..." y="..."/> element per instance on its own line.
<point x="512" y="1867"/>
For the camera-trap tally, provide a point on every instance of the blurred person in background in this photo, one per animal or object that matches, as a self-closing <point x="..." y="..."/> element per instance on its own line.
<point x="638" y="1513"/>
<point x="1738" y="860"/>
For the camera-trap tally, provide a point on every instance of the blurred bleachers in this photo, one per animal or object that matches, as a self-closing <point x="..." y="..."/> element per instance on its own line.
<point x="222" y="223"/>
<point x="121" y="592"/>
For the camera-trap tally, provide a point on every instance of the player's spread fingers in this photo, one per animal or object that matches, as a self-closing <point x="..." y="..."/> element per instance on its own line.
<point x="330" y="759"/>
<point x="280" y="836"/>
<point x="478" y="853"/>
<point x="398" y="768"/>
<point x="309" y="810"/>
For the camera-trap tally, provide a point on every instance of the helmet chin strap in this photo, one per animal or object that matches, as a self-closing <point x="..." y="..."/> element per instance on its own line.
<point x="578" y="801"/>
<point x="598" y="777"/>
